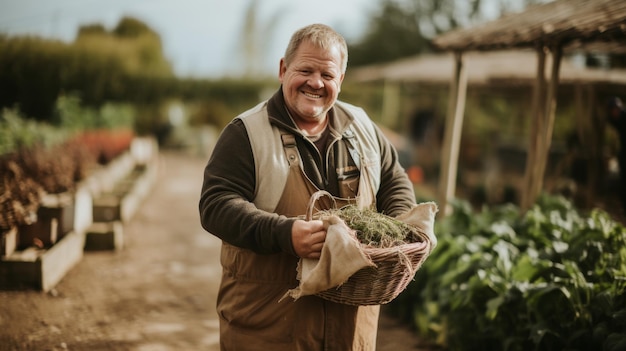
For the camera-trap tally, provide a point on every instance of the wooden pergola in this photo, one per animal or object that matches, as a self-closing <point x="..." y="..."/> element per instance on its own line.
<point x="549" y="29"/>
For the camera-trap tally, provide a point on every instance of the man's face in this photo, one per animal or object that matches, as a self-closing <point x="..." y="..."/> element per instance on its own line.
<point x="311" y="82"/>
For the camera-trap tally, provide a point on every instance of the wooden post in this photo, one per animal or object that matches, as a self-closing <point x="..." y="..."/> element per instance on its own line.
<point x="543" y="137"/>
<point x="452" y="136"/>
<point x="557" y="54"/>
<point x="546" y="135"/>
<point x="536" y="126"/>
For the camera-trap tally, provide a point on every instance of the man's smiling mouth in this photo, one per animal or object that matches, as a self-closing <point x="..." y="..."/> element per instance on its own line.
<point x="314" y="96"/>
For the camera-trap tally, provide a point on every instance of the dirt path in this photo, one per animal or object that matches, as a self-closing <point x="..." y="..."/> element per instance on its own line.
<point x="156" y="294"/>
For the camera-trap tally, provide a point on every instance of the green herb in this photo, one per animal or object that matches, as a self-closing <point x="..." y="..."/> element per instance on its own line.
<point x="374" y="228"/>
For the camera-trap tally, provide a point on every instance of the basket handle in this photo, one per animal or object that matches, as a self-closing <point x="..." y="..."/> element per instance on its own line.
<point x="316" y="196"/>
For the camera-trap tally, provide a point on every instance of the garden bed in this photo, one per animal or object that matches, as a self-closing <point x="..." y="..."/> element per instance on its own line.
<point x="41" y="269"/>
<point x="120" y="201"/>
<point x="130" y="177"/>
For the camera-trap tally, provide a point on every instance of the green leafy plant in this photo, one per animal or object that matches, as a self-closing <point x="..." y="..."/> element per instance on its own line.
<point x="549" y="279"/>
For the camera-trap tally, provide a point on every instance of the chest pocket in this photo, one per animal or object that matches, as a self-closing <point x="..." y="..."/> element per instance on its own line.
<point x="348" y="165"/>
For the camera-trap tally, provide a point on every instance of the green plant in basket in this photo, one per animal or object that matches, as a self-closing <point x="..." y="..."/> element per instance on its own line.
<point x="373" y="228"/>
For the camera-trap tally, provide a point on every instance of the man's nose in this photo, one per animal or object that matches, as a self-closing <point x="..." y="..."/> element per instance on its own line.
<point x="316" y="81"/>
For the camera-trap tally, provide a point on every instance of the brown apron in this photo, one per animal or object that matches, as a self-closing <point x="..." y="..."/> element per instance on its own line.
<point x="251" y="316"/>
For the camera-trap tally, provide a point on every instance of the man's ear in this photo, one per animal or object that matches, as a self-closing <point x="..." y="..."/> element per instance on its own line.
<point x="282" y="68"/>
<point x="343" y="75"/>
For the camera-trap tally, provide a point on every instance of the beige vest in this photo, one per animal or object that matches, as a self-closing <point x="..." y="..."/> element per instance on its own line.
<point x="272" y="166"/>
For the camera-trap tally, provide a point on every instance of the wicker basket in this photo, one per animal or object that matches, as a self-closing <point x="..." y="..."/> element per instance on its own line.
<point x="395" y="268"/>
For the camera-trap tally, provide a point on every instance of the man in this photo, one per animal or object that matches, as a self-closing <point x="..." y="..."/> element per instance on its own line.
<point x="264" y="168"/>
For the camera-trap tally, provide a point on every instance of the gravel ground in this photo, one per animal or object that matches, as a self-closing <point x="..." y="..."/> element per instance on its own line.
<point x="155" y="294"/>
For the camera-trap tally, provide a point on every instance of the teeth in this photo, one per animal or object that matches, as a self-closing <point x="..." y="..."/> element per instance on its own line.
<point x="312" y="95"/>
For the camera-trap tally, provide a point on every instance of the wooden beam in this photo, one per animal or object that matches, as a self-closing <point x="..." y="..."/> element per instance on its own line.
<point x="452" y="136"/>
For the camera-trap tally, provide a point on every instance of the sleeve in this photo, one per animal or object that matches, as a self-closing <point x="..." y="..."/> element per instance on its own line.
<point x="395" y="195"/>
<point x="226" y="207"/>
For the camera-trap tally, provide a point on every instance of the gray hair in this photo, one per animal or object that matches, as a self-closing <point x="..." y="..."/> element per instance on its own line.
<point x="321" y="36"/>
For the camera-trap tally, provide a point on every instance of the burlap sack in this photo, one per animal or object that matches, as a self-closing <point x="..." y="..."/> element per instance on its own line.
<point x="341" y="257"/>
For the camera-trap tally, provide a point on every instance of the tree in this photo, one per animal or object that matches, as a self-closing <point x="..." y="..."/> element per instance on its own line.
<point x="31" y="73"/>
<point x="404" y="28"/>
<point x="129" y="27"/>
<point x="132" y="42"/>
<point x="393" y="33"/>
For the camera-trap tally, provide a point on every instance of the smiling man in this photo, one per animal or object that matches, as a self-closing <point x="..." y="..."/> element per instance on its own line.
<point x="257" y="184"/>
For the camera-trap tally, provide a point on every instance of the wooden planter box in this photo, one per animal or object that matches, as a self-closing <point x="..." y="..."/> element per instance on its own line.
<point x="55" y="218"/>
<point x="112" y="209"/>
<point x="105" y="236"/>
<point x="62" y="229"/>
<point x="104" y="178"/>
<point x="107" y="208"/>
<point x="58" y="215"/>
<point x="41" y="269"/>
<point x="124" y="200"/>
<point x="115" y="186"/>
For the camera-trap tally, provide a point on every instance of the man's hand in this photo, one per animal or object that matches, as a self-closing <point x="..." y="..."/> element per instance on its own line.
<point x="308" y="238"/>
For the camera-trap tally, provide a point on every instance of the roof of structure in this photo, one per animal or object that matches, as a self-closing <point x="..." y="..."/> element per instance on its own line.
<point x="585" y="24"/>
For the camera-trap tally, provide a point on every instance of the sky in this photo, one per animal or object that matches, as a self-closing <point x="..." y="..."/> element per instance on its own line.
<point x="199" y="37"/>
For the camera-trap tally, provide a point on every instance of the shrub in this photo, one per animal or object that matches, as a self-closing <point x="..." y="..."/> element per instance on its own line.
<point x="18" y="132"/>
<point x="19" y="195"/>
